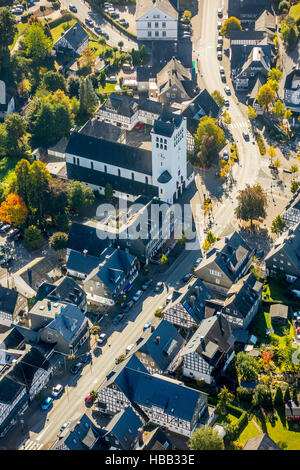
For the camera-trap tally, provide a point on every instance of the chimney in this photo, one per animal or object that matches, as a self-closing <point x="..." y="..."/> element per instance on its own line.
<point x="49" y="305"/>
<point x="85" y="252"/>
<point x="157" y="339"/>
<point x="220" y="322"/>
<point x="197" y="290"/>
<point x="140" y="436"/>
<point x="202" y="342"/>
<point x="152" y="328"/>
<point x="192" y="301"/>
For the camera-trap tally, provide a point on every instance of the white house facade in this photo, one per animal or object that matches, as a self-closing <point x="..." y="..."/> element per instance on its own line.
<point x="156" y="20"/>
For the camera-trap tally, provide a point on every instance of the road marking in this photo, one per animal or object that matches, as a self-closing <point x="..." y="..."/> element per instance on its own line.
<point x="235" y="125"/>
<point x="32" y="445"/>
<point x="42" y="433"/>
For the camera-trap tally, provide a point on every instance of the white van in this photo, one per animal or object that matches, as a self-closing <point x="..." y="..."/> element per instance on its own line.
<point x="129" y="348"/>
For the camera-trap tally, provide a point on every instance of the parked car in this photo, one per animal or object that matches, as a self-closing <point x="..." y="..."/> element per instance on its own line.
<point x="225" y="155"/>
<point x="219" y="47"/>
<point x="118" y="318"/>
<point x="220" y="12"/>
<point x="105" y="35"/>
<point x="159" y="286"/>
<point x="64" y="426"/>
<point x="220" y="39"/>
<point x="6" y="261"/>
<point x="219" y="24"/>
<point x="187" y="277"/>
<point x="89" y="22"/>
<point x="137" y="295"/>
<point x="102" y="338"/>
<point x="169" y="298"/>
<point x="76" y="368"/>
<point x="86" y="357"/>
<point x="57" y="390"/>
<point x="219" y="55"/>
<point x="12" y="234"/>
<point x="227" y="90"/>
<point x="246" y="136"/>
<point x="227" y="103"/>
<point x="114" y="14"/>
<point x="98" y="29"/>
<point x="88" y="399"/>
<point x="197" y="261"/>
<point x="147" y="325"/>
<point x="129" y="348"/>
<point x="47" y="403"/>
<point x="72" y="8"/>
<point x="111" y="79"/>
<point x="222" y="71"/>
<point x="146" y="285"/>
<point x="127" y="306"/>
<point x="259" y="254"/>
<point x="139" y="126"/>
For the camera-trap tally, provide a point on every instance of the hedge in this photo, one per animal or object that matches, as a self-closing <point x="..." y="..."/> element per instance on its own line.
<point x="260" y="143"/>
<point x="66" y="16"/>
<point x="241" y="422"/>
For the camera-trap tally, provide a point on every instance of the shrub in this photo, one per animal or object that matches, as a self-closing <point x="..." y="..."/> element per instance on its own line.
<point x="261" y="144"/>
<point x="66" y="16"/>
<point x="244" y="394"/>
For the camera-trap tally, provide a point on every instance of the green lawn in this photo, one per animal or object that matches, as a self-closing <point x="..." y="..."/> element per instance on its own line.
<point x="280" y="430"/>
<point x="21" y="29"/>
<point x="61" y="28"/>
<point x="295" y="12"/>
<point x="7" y="165"/>
<point x="248" y="432"/>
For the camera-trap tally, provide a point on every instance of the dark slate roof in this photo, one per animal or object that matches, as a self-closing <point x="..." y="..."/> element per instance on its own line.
<point x="212" y="339"/>
<point x="290" y="77"/>
<point x="67" y="290"/>
<point x="68" y="323"/>
<point x="151" y="106"/>
<point x="8" y="300"/>
<point x="114" y="266"/>
<point x="202" y="105"/>
<point x="9" y="390"/>
<point x="95" y="128"/>
<point x="80" y="435"/>
<point x="261" y="442"/>
<point x="231" y="254"/>
<point x="84" y="237"/>
<point x="25" y="370"/>
<point x="82" y="263"/>
<point x="288" y="244"/>
<point x="155" y="440"/>
<point x="163" y="351"/>
<point x="148" y="390"/>
<point x="11" y="339"/>
<point x="75" y="36"/>
<point x="167" y="123"/>
<point x="113" y="153"/>
<point x="118" y="183"/>
<point x="44" y="290"/>
<point x="247" y="9"/>
<point x="243" y="295"/>
<point x="123" y="105"/>
<point x="124" y="426"/>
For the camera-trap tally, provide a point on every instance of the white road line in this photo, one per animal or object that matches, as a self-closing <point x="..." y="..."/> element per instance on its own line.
<point x="42" y="433"/>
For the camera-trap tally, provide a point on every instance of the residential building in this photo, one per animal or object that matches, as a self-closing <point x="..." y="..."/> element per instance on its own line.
<point x="153" y="440"/>
<point x="158" y="350"/>
<point x="122" y="432"/>
<point x="7" y="102"/>
<point x="11" y="338"/>
<point x="66" y="290"/>
<point x="292" y="91"/>
<point x="80" y="434"/>
<point x="209" y="350"/>
<point x="13" y="401"/>
<point x="84" y="239"/>
<point x="164" y="401"/>
<point x="291" y="213"/>
<point x="256" y="67"/>
<point x="284" y="256"/>
<point x="225" y="263"/>
<point x="292" y="411"/>
<point x="156" y="20"/>
<point x="67" y="331"/>
<point x="12" y="306"/>
<point x="279" y="313"/>
<point x="73" y="41"/>
<point x="117" y="268"/>
<point x="261" y="442"/>
<point x="243" y="301"/>
<point x="33" y="371"/>
<point x="175" y="83"/>
<point x="247" y="11"/>
<point x="43" y="312"/>
<point x="96" y="127"/>
<point x="188" y="310"/>
<point x="119" y="110"/>
<point x="80" y="265"/>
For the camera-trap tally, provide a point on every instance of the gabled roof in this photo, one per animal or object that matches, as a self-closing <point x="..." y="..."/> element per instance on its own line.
<point x="258" y="59"/>
<point x="123" y="105"/>
<point x="24" y="372"/>
<point x="124" y="426"/>
<point x="243" y="295"/>
<point x="212" y="339"/>
<point x="279" y="311"/>
<point x="294" y="74"/>
<point x="81" y="434"/>
<point x="166" y="124"/>
<point x="155" y="440"/>
<point x="81" y="263"/>
<point x="145" y="6"/>
<point x="68" y="291"/>
<point x="261" y="442"/>
<point x="174" y="73"/>
<point x="114" y="266"/>
<point x="68" y="322"/>
<point x="95" y="128"/>
<point x="9" y="390"/>
<point x="164" y="349"/>
<point x="8" y="300"/>
<point x="266" y="22"/>
<point x="112" y="153"/>
<point x="202" y="105"/>
<point x="75" y="36"/>
<point x="288" y="244"/>
<point x="84" y="237"/>
<point x="11" y="339"/>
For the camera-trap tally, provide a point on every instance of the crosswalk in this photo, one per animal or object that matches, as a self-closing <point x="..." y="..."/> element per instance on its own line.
<point x="239" y="125"/>
<point x="31" y="445"/>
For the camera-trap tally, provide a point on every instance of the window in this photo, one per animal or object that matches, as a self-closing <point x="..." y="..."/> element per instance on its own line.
<point x="149" y="34"/>
<point x="163" y="24"/>
<point x="217" y="281"/>
<point x="78" y="161"/>
<point x="132" y="176"/>
<point x="157" y="145"/>
<point x="105" y="169"/>
<point x="156" y="24"/>
<point x="146" y="179"/>
<point x="92" y="165"/>
<point x="165" y="147"/>
<point x="156" y="33"/>
<point x="149" y="24"/>
<point x="164" y="34"/>
<point x="119" y="172"/>
<point x="74" y="160"/>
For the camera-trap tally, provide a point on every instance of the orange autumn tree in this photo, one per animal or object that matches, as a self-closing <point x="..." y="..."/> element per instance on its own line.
<point x="266" y="358"/>
<point x="13" y="210"/>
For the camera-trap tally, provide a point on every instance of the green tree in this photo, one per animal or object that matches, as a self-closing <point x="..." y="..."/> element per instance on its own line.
<point x="278" y="109"/>
<point x="231" y="24"/>
<point x="252" y="114"/>
<point x="294" y="169"/>
<point x="272" y="152"/>
<point x="247" y="367"/>
<point x="225" y="397"/>
<point x="39" y="181"/>
<point x="265" y="96"/>
<point x="37" y="44"/>
<point x="102" y="78"/>
<point x="33" y="237"/>
<point x="120" y="44"/>
<point x="262" y="396"/>
<point x="273" y="84"/>
<point x="283" y="6"/>
<point x="73" y="84"/>
<point x="8" y="28"/>
<point x="22" y="182"/>
<point x="208" y="150"/>
<point x="278" y="224"/>
<point x="219" y="98"/>
<point x="87" y="97"/>
<point x="210" y="237"/>
<point x="15" y="126"/>
<point x="108" y="191"/>
<point x="94" y="395"/>
<point x="252" y="203"/>
<point x="58" y="241"/>
<point x="207" y="126"/>
<point x="57" y="197"/>
<point x="275" y="74"/>
<point x="163" y="259"/>
<point x="278" y="399"/>
<point x="53" y="81"/>
<point x="287" y="395"/>
<point x="206" y="438"/>
<point x="79" y="196"/>
<point x="294" y="186"/>
<point x="62" y="221"/>
<point x="95" y="330"/>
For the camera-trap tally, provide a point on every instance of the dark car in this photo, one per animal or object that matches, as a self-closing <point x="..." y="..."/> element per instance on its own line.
<point x="259" y="254"/>
<point x="147" y="284"/>
<point x="127" y="306"/>
<point x="118" y="318"/>
<point x="187" y="277"/>
<point x="72" y="8"/>
<point x="86" y="357"/>
<point x="89" y="22"/>
<point x="76" y="368"/>
<point x="12" y="234"/>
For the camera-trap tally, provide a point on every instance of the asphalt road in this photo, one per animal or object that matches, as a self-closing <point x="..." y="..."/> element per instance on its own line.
<point x="84" y="11"/>
<point x="45" y="426"/>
